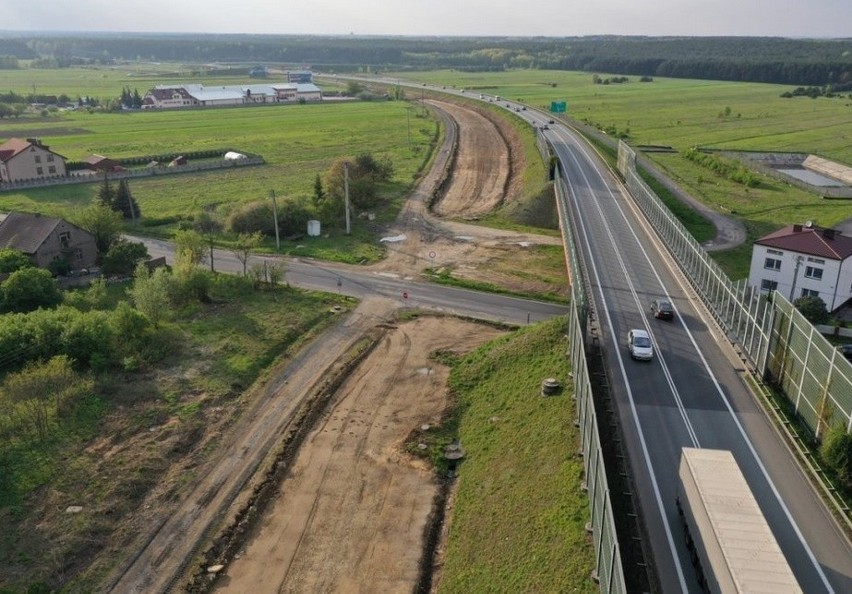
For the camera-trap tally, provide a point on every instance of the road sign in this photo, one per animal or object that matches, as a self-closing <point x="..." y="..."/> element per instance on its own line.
<point x="558" y="106"/>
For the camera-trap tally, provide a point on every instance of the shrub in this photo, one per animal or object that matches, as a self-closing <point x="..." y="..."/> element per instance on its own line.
<point x="836" y="453"/>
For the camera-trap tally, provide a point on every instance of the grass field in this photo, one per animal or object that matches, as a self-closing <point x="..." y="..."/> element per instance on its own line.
<point x="518" y="517"/>
<point x="297" y="142"/>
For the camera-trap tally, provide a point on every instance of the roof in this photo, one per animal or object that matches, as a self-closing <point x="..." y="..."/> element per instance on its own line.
<point x="15" y="146"/>
<point x="26" y="232"/>
<point x="752" y="554"/>
<point x="202" y="93"/>
<point x="811" y="240"/>
<point x="307" y="88"/>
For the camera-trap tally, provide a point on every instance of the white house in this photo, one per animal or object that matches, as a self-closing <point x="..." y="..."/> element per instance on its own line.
<point x="28" y="160"/>
<point x="803" y="260"/>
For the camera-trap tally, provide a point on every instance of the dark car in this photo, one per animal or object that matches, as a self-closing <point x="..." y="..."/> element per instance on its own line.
<point x="662" y="309"/>
<point x="846" y="350"/>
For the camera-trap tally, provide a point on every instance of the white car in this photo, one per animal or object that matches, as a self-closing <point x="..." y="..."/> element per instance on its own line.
<point x="639" y="345"/>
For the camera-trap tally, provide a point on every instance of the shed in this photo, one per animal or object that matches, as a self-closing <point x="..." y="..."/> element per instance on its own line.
<point x="101" y="163"/>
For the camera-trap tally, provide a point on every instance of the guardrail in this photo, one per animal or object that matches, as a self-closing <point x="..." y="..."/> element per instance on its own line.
<point x="608" y="565"/>
<point x="778" y="343"/>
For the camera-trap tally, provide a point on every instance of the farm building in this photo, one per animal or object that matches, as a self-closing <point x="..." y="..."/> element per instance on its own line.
<point x="196" y="95"/>
<point x="101" y="163"/>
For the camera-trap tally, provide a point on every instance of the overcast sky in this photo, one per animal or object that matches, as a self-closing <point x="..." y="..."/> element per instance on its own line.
<point x="784" y="18"/>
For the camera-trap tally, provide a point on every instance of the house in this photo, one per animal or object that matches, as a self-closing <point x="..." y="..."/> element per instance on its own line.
<point x="801" y="260"/>
<point x="29" y="159"/>
<point x="101" y="163"/>
<point x="48" y="239"/>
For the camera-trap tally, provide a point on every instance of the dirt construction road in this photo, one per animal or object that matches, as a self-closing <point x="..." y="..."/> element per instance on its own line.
<point x="352" y="514"/>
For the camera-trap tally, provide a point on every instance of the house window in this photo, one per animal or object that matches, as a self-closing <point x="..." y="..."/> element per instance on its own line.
<point x="775" y="252"/>
<point x="816" y="260"/>
<point x="768" y="285"/>
<point x="809" y="293"/>
<point x="65" y="238"/>
<point x="38" y="158"/>
<point x="772" y="264"/>
<point x="40" y="170"/>
<point x="813" y="272"/>
<point x="51" y="169"/>
<point x="50" y="157"/>
<point x="78" y="254"/>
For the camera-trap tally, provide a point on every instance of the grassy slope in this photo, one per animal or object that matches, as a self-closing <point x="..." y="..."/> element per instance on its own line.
<point x="517" y="523"/>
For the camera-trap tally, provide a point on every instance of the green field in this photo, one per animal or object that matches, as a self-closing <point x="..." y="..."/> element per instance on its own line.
<point x="297" y="142"/>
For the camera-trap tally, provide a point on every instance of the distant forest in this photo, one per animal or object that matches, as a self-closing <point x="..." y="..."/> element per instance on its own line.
<point x="820" y="62"/>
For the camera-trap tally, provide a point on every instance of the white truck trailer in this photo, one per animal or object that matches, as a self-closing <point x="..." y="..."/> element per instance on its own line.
<point x="730" y="541"/>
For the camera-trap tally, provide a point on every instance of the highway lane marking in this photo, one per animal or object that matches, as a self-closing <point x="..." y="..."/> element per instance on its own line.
<point x="706" y="365"/>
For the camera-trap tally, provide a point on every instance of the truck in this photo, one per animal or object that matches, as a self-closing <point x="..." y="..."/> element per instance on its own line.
<point x="730" y="542"/>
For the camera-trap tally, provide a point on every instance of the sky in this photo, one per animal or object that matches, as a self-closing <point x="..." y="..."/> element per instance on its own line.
<point x="551" y="18"/>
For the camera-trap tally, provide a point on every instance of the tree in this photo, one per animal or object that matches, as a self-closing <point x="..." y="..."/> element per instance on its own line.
<point x="123" y="257"/>
<point x="12" y="260"/>
<point x="102" y="222"/>
<point x="124" y="202"/>
<point x="365" y="174"/>
<point x="150" y="293"/>
<point x="246" y="243"/>
<point x="106" y="194"/>
<point x="319" y="191"/>
<point x="813" y="308"/>
<point x="190" y="251"/>
<point x="28" y="289"/>
<point x="190" y="245"/>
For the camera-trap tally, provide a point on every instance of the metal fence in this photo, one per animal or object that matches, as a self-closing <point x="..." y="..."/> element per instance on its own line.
<point x="608" y="568"/>
<point x="777" y="342"/>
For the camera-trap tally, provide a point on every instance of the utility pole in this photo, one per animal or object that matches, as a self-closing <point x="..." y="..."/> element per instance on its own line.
<point x="346" y="196"/>
<point x="408" y="114"/>
<point x="795" y="276"/>
<point x="275" y="216"/>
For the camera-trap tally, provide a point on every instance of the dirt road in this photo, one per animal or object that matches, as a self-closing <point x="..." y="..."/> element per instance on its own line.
<point x="352" y="514"/>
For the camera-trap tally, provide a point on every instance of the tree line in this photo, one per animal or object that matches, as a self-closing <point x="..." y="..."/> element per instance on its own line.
<point x="754" y="59"/>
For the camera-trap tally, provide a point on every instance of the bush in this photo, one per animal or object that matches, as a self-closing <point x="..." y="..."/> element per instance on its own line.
<point x="836" y="453"/>
<point x="29" y="289"/>
<point x="252" y="217"/>
<point x="123" y="257"/>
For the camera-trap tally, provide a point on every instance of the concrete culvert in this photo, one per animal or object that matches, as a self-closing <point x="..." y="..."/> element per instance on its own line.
<point x="550" y="387"/>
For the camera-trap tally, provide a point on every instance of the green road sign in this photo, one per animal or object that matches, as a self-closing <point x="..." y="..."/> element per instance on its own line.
<point x="558" y="106"/>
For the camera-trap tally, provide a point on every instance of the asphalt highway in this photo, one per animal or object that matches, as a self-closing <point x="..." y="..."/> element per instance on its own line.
<point x="691" y="394"/>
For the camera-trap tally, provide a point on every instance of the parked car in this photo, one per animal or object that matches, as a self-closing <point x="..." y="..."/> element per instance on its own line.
<point x="662" y="309"/>
<point x="845" y="350"/>
<point x="639" y="345"/>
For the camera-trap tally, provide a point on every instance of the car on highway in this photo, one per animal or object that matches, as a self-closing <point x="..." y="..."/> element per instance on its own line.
<point x="639" y="345"/>
<point x="550" y="121"/>
<point x="544" y="127"/>
<point x="662" y="309"/>
<point x="845" y="350"/>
